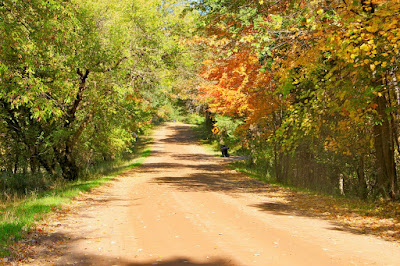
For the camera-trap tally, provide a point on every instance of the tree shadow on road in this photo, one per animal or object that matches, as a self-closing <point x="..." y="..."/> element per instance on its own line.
<point x="43" y="248"/>
<point x="282" y="201"/>
<point x="80" y="259"/>
<point x="194" y="156"/>
<point x="212" y="178"/>
<point x="184" y="135"/>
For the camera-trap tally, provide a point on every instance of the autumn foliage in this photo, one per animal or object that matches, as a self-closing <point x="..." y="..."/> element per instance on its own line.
<point x="316" y="83"/>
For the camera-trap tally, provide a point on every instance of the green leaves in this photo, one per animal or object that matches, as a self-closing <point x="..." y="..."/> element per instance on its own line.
<point x="77" y="79"/>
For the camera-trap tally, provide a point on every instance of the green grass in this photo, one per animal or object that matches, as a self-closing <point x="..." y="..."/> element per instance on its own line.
<point x="241" y="167"/>
<point x="16" y="218"/>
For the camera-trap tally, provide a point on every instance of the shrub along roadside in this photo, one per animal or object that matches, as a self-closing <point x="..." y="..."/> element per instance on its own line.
<point x="16" y="218"/>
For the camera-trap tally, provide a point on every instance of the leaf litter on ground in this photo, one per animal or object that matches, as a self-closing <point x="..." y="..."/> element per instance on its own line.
<point x="380" y="218"/>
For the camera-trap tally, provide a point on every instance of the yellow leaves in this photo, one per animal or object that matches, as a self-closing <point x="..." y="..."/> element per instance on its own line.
<point x="207" y="62"/>
<point x="261" y="2"/>
<point x="216" y="42"/>
<point x="253" y="59"/>
<point x="392" y="38"/>
<point x="365" y="47"/>
<point x="247" y="39"/>
<point x="342" y="95"/>
<point x="392" y="24"/>
<point x="372" y="67"/>
<point x="222" y="41"/>
<point x="331" y="144"/>
<point x="374" y="28"/>
<point x="358" y="45"/>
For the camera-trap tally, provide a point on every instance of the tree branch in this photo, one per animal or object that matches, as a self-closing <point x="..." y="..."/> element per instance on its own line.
<point x="79" y="96"/>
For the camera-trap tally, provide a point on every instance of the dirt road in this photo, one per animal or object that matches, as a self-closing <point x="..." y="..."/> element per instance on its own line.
<point x="183" y="207"/>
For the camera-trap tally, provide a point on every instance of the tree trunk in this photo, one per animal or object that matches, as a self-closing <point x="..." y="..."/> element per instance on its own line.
<point x="50" y="168"/>
<point x="281" y="165"/>
<point x="63" y="152"/>
<point x="384" y="149"/>
<point x="16" y="162"/>
<point x="67" y="163"/>
<point x="281" y="161"/>
<point x="362" y="184"/>
<point x="209" y="120"/>
<point x="33" y="159"/>
<point x="278" y="172"/>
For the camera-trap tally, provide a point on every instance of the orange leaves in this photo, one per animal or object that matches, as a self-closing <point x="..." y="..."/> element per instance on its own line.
<point x="236" y="82"/>
<point x="235" y="85"/>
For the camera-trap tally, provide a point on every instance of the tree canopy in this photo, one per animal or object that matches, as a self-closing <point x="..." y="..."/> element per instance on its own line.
<point x="79" y="79"/>
<point x="316" y="81"/>
<point x="310" y="88"/>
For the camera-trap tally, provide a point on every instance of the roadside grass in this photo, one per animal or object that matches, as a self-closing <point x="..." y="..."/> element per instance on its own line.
<point x="19" y="215"/>
<point x="379" y="217"/>
<point x="374" y="217"/>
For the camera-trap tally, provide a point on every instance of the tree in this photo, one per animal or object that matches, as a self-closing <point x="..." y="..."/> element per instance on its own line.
<point x="68" y="69"/>
<point x="334" y="94"/>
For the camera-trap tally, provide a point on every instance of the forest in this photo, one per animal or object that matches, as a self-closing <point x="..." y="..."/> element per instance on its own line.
<point x="307" y="91"/>
<point x="81" y="80"/>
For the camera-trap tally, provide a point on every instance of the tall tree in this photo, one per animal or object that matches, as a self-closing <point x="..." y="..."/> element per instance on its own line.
<point x="69" y="69"/>
<point x="333" y="67"/>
